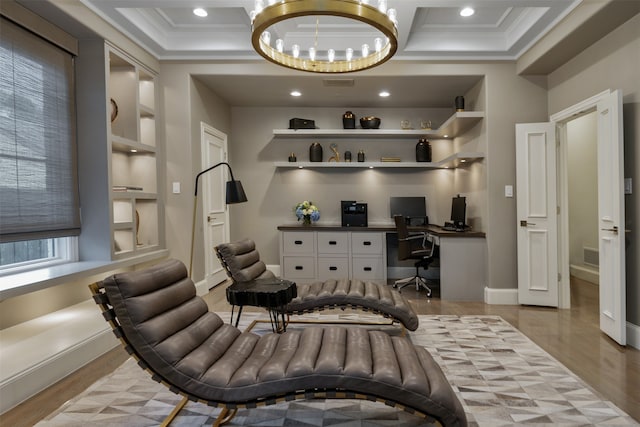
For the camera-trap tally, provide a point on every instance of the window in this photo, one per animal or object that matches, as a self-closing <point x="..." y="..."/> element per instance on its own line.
<point x="38" y="182"/>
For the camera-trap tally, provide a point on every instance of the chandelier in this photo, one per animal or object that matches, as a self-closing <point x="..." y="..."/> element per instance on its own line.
<point x="317" y="56"/>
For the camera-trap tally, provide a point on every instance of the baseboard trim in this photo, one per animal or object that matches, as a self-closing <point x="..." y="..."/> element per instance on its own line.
<point x="633" y="335"/>
<point x="34" y="379"/>
<point x="585" y="273"/>
<point x="500" y="296"/>
<point x="275" y="269"/>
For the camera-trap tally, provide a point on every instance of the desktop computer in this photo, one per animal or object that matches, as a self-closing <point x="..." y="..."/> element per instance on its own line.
<point x="413" y="209"/>
<point x="458" y="214"/>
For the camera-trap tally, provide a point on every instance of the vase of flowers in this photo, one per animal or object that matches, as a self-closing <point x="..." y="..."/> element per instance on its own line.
<point x="306" y="212"/>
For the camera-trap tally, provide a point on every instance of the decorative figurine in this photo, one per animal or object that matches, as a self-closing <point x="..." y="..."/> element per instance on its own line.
<point x="336" y="155"/>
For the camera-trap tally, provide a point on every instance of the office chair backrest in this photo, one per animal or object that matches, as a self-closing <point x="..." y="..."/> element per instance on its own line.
<point x="404" y="245"/>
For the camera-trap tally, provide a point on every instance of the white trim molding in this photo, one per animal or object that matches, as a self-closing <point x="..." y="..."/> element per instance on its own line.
<point x="500" y="296"/>
<point x="633" y="335"/>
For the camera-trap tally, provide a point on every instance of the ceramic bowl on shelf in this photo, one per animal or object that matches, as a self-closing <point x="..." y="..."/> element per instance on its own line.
<point x="370" y="122"/>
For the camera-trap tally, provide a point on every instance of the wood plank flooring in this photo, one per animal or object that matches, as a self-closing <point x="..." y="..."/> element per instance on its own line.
<point x="571" y="336"/>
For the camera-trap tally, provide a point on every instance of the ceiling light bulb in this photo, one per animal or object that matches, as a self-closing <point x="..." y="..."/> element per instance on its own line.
<point x="133" y="150"/>
<point x="259" y="5"/>
<point x="349" y="54"/>
<point x="280" y="45"/>
<point x="266" y="37"/>
<point x="382" y="6"/>
<point x="365" y="50"/>
<point x="384" y="94"/>
<point x="296" y="93"/>
<point x="467" y="11"/>
<point x="198" y="11"/>
<point x="393" y="16"/>
<point x="378" y="44"/>
<point x="295" y="50"/>
<point x="331" y="54"/>
<point x="312" y="53"/>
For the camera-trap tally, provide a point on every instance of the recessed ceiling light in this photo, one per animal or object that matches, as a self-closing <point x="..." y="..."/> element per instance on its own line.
<point x="296" y="93"/>
<point x="384" y="94"/>
<point x="445" y="136"/>
<point x="467" y="11"/>
<point x="198" y="11"/>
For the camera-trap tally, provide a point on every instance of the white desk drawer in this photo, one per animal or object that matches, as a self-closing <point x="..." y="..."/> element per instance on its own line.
<point x="363" y="243"/>
<point x="298" y="242"/>
<point x="299" y="267"/>
<point x="333" y="268"/>
<point x="367" y="268"/>
<point x="333" y="243"/>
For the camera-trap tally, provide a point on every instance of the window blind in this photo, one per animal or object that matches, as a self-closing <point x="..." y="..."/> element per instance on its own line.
<point x="38" y="167"/>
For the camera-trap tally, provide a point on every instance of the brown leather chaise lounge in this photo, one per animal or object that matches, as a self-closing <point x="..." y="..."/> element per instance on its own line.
<point x="242" y="262"/>
<point x="168" y="328"/>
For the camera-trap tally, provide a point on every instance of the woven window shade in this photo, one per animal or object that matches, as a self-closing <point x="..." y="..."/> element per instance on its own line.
<point x="38" y="169"/>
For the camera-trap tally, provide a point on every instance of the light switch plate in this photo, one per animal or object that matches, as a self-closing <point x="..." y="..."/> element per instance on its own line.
<point x="508" y="191"/>
<point x="628" y="186"/>
<point x="176" y="188"/>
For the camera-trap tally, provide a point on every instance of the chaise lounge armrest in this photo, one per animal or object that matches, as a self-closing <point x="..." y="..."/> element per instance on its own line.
<point x="165" y="325"/>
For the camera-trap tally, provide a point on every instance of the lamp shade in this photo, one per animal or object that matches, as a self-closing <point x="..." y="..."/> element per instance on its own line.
<point x="235" y="192"/>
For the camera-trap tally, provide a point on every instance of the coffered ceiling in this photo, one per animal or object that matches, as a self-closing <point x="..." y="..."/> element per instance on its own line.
<point x="428" y="29"/>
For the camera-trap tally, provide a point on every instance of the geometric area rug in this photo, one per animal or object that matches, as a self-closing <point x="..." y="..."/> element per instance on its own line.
<point x="500" y="376"/>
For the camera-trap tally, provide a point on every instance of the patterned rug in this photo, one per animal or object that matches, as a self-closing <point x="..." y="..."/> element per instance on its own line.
<point x="501" y="377"/>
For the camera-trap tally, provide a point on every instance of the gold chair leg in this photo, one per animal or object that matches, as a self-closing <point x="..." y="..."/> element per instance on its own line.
<point x="175" y="411"/>
<point x="225" y="416"/>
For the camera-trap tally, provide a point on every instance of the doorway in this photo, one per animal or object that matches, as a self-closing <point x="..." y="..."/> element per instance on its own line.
<point x="582" y="183"/>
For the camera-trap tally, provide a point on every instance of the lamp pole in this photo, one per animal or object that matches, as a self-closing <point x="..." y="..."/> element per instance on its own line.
<point x="234" y="194"/>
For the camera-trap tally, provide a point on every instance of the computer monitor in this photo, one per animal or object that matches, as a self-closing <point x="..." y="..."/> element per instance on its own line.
<point x="414" y="209"/>
<point x="458" y="211"/>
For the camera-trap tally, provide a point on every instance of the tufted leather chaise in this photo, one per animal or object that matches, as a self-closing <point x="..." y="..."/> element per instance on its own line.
<point x="242" y="262"/>
<point x="168" y="328"/>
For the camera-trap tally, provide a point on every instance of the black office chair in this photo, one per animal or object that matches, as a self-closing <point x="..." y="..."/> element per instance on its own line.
<point x="423" y="255"/>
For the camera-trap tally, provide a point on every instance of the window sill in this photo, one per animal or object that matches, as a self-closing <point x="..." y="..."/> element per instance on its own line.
<point x="14" y="285"/>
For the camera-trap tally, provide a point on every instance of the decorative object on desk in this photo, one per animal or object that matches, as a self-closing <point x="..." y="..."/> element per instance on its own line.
<point x="336" y="155"/>
<point x="235" y="194"/>
<point x="292" y="157"/>
<point x="459" y="103"/>
<point x="405" y="125"/>
<point x="347" y="156"/>
<point x="361" y="156"/>
<point x="307" y="212"/>
<point x="315" y="152"/>
<point x="348" y="120"/>
<point x="376" y="26"/>
<point x="423" y="150"/>
<point x="114" y="110"/>
<point x="425" y="124"/>
<point x="370" y="122"/>
<point x="297" y="123"/>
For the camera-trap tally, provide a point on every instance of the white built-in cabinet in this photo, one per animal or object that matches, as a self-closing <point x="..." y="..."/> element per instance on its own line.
<point x="456" y="125"/>
<point x="118" y="153"/>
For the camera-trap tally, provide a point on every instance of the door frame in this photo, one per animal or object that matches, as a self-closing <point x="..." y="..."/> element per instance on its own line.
<point x="561" y="118"/>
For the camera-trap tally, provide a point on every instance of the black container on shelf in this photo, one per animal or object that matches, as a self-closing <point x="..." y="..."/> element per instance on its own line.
<point x="459" y="103"/>
<point x="361" y="156"/>
<point x="315" y="152"/>
<point x="348" y="120"/>
<point x="292" y="157"/>
<point x="423" y="151"/>
<point x="347" y="156"/>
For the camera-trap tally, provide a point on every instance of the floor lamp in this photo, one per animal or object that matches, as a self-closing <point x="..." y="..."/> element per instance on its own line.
<point x="235" y="194"/>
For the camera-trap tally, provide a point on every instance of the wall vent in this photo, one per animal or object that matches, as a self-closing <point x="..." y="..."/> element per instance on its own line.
<point x="338" y="82"/>
<point x="591" y="256"/>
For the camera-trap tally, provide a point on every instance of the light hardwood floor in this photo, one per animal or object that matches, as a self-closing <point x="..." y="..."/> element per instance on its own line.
<point x="571" y="336"/>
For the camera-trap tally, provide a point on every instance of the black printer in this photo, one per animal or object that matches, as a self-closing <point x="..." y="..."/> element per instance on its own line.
<point x="354" y="214"/>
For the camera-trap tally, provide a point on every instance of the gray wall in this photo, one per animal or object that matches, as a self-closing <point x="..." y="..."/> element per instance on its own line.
<point x="612" y="63"/>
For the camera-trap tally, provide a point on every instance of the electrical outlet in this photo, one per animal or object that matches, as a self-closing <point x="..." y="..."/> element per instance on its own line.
<point x="176" y="188"/>
<point x="508" y="191"/>
<point x="628" y="186"/>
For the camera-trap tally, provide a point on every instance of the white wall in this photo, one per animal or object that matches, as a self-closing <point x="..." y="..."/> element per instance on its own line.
<point x="583" y="186"/>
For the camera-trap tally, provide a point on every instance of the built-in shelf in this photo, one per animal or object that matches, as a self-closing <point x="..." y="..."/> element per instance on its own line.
<point x="453" y="161"/>
<point x="126" y="145"/>
<point x="134" y="195"/>
<point x="457" y="124"/>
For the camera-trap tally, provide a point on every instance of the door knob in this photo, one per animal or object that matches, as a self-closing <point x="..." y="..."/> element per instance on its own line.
<point x="211" y="218"/>
<point x="525" y="223"/>
<point x="614" y="229"/>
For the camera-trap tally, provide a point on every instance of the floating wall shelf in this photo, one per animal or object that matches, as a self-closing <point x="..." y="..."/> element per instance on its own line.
<point x="453" y="161"/>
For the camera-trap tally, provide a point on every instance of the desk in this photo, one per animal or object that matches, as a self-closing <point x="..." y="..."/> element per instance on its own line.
<point x="320" y="252"/>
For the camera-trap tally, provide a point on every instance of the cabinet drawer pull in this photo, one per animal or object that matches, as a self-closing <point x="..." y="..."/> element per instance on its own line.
<point x="368" y="269"/>
<point x="333" y="242"/>
<point x="366" y="243"/>
<point x="298" y="242"/>
<point x="332" y="268"/>
<point x="299" y="267"/>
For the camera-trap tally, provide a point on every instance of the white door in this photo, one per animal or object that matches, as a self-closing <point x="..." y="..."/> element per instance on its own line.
<point x="611" y="217"/>
<point x="215" y="214"/>
<point x="537" y="214"/>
